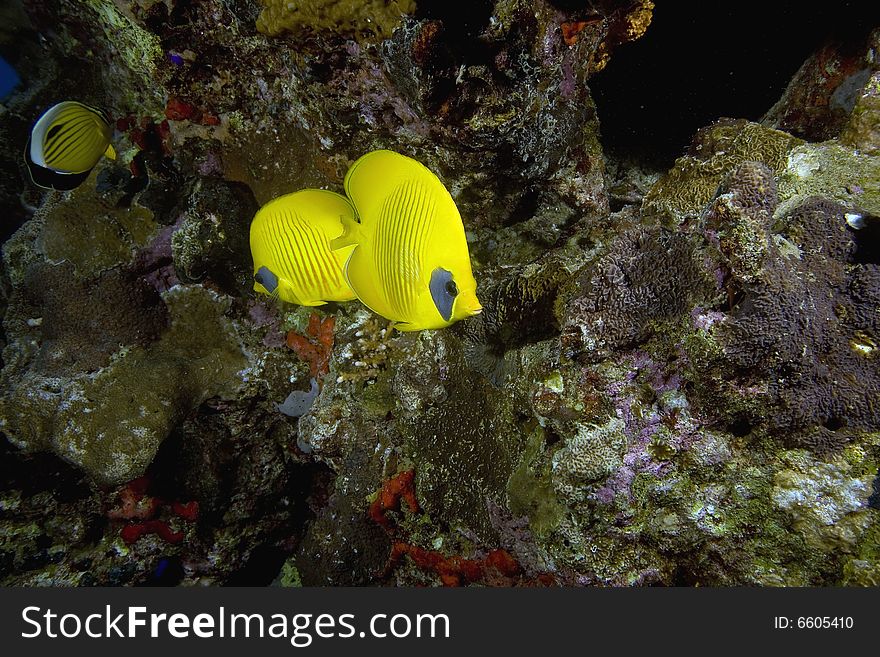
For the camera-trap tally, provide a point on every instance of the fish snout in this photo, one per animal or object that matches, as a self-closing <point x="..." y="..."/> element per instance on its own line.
<point x="470" y="305"/>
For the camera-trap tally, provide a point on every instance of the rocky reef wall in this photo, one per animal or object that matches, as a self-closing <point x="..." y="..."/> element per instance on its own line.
<point x="674" y="380"/>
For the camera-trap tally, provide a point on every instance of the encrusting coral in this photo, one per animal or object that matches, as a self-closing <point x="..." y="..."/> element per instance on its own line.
<point x="673" y="380"/>
<point x="716" y="150"/>
<point x="315" y="345"/>
<point x="113" y="418"/>
<point x="378" y="17"/>
<point x="795" y="325"/>
<point x="646" y="276"/>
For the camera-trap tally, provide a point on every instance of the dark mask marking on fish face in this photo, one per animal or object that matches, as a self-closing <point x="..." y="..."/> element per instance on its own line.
<point x="267" y="279"/>
<point x="443" y="291"/>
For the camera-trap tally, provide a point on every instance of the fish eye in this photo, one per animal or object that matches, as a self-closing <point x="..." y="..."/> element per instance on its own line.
<point x="443" y="291"/>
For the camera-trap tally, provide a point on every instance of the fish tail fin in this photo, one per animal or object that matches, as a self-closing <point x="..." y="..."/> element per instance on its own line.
<point x="350" y="234"/>
<point x="110" y="152"/>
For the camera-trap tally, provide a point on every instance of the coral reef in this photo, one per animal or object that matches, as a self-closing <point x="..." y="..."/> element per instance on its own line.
<point x="591" y="454"/>
<point x="646" y="276"/>
<point x="315" y="346"/>
<point x="377" y="16"/>
<point x="111" y="419"/>
<point x="673" y="382"/>
<point x="862" y="131"/>
<point x="211" y="241"/>
<point x="740" y="215"/>
<point x="456" y="571"/>
<point x="136" y="504"/>
<point x="821" y="96"/>
<point x="388" y="498"/>
<point x="685" y="190"/>
<point x="796" y="328"/>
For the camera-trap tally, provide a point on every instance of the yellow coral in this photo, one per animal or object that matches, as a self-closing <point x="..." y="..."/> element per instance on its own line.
<point x="634" y="25"/>
<point x="377" y="17"/>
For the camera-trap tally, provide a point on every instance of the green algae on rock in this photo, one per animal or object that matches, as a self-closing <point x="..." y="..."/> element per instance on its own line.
<point x="376" y="17"/>
<point x="827" y="505"/>
<point x="833" y="171"/>
<point x="530" y="491"/>
<point x="111" y="422"/>
<point x="91" y="233"/>
<point x="862" y="131"/>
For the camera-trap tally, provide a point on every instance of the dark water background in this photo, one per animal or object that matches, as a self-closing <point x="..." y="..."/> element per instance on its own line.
<point x="697" y="63"/>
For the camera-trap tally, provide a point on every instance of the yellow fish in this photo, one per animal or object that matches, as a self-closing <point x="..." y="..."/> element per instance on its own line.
<point x="290" y="238"/>
<point x="410" y="263"/>
<point x="66" y="143"/>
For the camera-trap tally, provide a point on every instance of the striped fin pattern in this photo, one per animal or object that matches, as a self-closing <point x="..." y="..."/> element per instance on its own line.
<point x="75" y="140"/>
<point x="402" y="231"/>
<point x="302" y="255"/>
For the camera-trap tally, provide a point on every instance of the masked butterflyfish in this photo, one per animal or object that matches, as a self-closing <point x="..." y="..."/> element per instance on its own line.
<point x="66" y="143"/>
<point x="410" y="263"/>
<point x="290" y="245"/>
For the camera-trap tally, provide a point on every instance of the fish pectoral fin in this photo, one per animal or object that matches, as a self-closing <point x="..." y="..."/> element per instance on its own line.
<point x="110" y="152"/>
<point x="340" y="242"/>
<point x="349" y="234"/>
<point x="403" y="327"/>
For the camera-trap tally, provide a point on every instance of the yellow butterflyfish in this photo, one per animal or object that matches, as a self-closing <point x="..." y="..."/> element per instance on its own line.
<point x="66" y="143"/>
<point x="290" y="238"/>
<point x="410" y="262"/>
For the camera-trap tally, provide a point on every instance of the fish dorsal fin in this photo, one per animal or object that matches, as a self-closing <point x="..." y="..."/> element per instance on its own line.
<point x="375" y="176"/>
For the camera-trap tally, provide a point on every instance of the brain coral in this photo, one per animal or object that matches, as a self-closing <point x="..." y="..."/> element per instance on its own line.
<point x="717" y="149"/>
<point x="647" y="275"/>
<point x="806" y="326"/>
<point x="741" y="215"/>
<point x="84" y="322"/>
<point x="590" y="454"/>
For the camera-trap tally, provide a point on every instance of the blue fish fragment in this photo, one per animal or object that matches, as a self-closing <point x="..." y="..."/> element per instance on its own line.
<point x="9" y="79"/>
